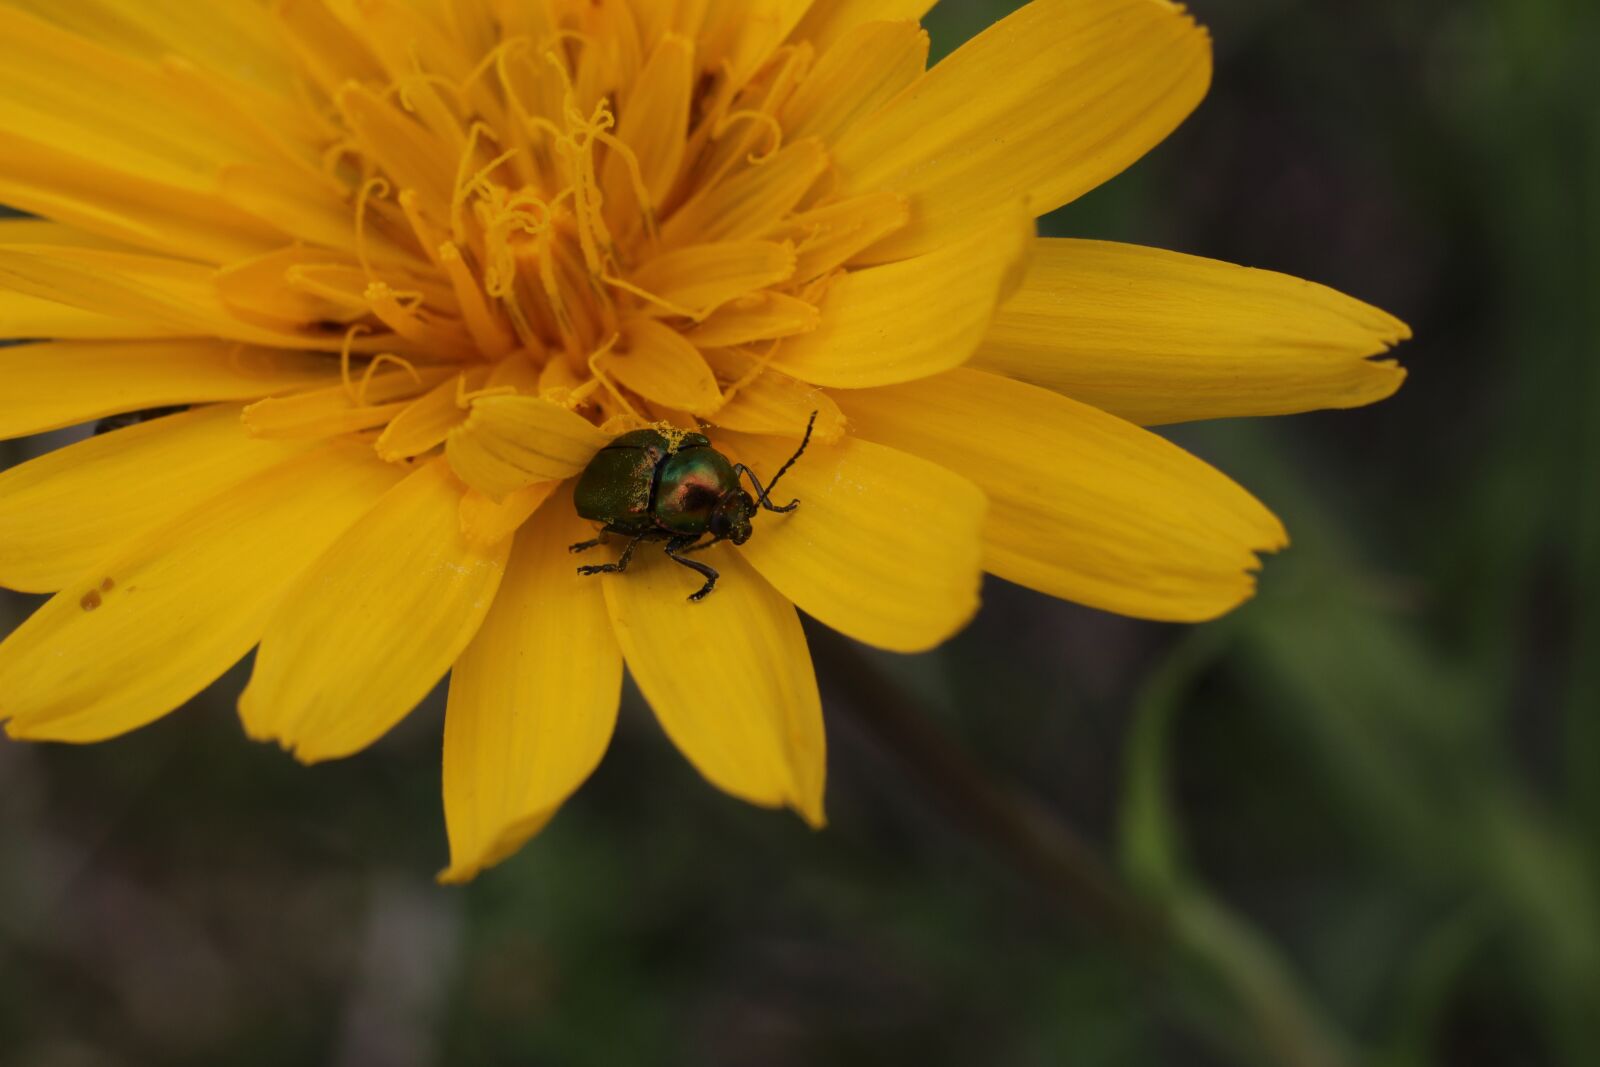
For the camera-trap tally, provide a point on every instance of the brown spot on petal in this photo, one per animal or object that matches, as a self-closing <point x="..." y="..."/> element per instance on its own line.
<point x="91" y="600"/>
<point x="107" y="585"/>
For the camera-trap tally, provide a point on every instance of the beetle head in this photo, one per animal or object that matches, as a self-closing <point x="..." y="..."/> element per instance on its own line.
<point x="730" y="518"/>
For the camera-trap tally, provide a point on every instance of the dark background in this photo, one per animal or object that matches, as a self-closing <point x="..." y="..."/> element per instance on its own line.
<point x="1369" y="802"/>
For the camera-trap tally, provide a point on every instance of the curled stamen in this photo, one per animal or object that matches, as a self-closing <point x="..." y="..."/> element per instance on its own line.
<point x="404" y="86"/>
<point x="430" y="334"/>
<point x="515" y="216"/>
<point x="350" y="336"/>
<point x="475" y="183"/>
<point x="334" y="154"/>
<point x="764" y="118"/>
<point x="492" y="60"/>
<point x="368" y="187"/>
<point x="600" y="376"/>
<point x="465" y="396"/>
<point x="635" y="178"/>
<point x="372" y="367"/>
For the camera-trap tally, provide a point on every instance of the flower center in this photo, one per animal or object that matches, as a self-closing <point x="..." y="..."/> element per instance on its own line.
<point x="628" y="234"/>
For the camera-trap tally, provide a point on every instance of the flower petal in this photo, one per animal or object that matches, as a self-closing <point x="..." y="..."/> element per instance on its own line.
<point x="533" y="700"/>
<point x="829" y="20"/>
<point x="1043" y="105"/>
<point x="700" y="278"/>
<point x="729" y="677"/>
<point x="99" y="196"/>
<point x="23" y="316"/>
<point x="236" y="39"/>
<point x="67" y="91"/>
<point x="1082" y="505"/>
<point x="340" y="409"/>
<point x="1158" y="337"/>
<point x="830" y="236"/>
<point x="374" y="624"/>
<point x="147" y="290"/>
<point x="655" y="127"/>
<point x="753" y="200"/>
<point x="63" y="383"/>
<point x="913" y="318"/>
<point x="885" y="547"/>
<point x="855" y="77"/>
<point x="662" y="367"/>
<point x="512" y="442"/>
<point x="770" y="402"/>
<point x="763" y="316"/>
<point x="70" y="509"/>
<point x="430" y="418"/>
<point x="487" y="522"/>
<point x="170" y="612"/>
<point x="306" y="209"/>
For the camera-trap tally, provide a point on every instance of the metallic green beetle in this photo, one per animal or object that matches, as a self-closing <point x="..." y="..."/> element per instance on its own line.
<point x="656" y="485"/>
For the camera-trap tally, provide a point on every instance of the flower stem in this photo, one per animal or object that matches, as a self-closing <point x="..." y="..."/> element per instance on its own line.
<point x="1161" y="938"/>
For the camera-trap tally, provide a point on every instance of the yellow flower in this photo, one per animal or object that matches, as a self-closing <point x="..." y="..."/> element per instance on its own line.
<point x="408" y="264"/>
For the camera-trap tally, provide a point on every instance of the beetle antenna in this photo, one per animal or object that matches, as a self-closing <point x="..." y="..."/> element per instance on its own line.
<point x="804" y="441"/>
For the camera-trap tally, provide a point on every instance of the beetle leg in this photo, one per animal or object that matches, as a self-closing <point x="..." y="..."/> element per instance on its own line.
<point x="620" y="565"/>
<point x="584" y="546"/>
<point x="703" y="545"/>
<point x="740" y="470"/>
<point x="677" y="545"/>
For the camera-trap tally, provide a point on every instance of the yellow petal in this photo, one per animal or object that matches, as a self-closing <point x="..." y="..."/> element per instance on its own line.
<point x="855" y="78"/>
<point x="24" y="231"/>
<point x="753" y="200"/>
<point x="829" y="237"/>
<point x="659" y="365"/>
<point x="428" y="420"/>
<point x="533" y="700"/>
<point x="1082" y="505"/>
<point x="24" y="316"/>
<point x="402" y="147"/>
<point x="885" y="547"/>
<point x="913" y="318"/>
<point x="374" y="624"/>
<point x="146" y="290"/>
<point x="329" y="50"/>
<point x="829" y="20"/>
<point x="729" y="678"/>
<point x="512" y="442"/>
<point x="337" y="409"/>
<point x="51" y="385"/>
<point x="1158" y="337"/>
<point x="238" y="39"/>
<point x="95" y="195"/>
<point x="739" y="35"/>
<point x="766" y="401"/>
<point x="260" y="286"/>
<point x="1043" y="105"/>
<point x="485" y="521"/>
<point x="763" y="316"/>
<point x="306" y="209"/>
<point x="654" y="125"/>
<point x="66" y="91"/>
<point x="70" y="509"/>
<point x="256" y="287"/>
<point x="174" y="609"/>
<point x="700" y="278"/>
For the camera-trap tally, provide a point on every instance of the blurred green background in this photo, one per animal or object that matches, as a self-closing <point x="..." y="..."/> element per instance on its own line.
<point x="1364" y="811"/>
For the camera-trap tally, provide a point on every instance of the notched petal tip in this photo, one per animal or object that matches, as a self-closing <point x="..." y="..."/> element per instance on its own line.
<point x="466" y="867"/>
